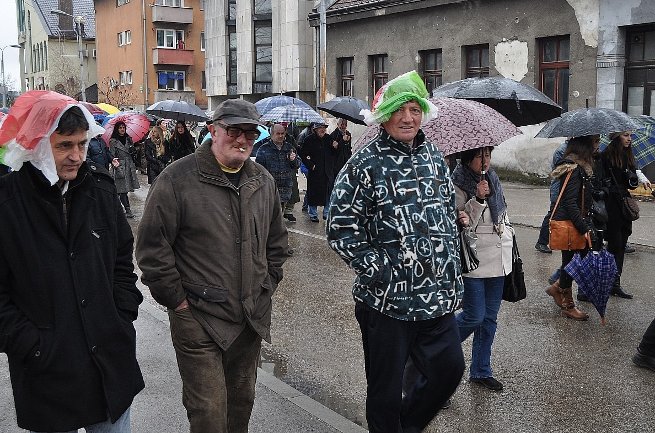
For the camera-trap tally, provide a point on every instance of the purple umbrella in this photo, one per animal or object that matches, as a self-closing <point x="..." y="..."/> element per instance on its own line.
<point x="460" y="125"/>
<point x="595" y="275"/>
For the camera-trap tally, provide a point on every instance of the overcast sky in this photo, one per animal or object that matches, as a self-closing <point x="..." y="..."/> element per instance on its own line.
<point x="9" y="36"/>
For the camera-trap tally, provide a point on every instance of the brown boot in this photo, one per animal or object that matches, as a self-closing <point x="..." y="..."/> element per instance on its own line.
<point x="568" y="306"/>
<point x="554" y="291"/>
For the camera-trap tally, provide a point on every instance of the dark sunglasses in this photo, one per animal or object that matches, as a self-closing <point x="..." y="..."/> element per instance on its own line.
<point x="235" y="131"/>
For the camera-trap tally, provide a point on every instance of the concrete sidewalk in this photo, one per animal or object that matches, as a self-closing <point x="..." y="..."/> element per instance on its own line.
<point x="158" y="408"/>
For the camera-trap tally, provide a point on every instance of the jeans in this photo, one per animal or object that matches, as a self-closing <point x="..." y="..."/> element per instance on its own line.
<point x="312" y="211"/>
<point x="544" y="232"/>
<point x="122" y="425"/>
<point x="480" y="305"/>
<point x="218" y="386"/>
<point x="436" y="353"/>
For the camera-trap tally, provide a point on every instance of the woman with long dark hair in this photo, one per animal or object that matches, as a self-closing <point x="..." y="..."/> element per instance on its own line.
<point x="574" y="205"/>
<point x="181" y="142"/>
<point x="619" y="167"/>
<point x="123" y="169"/>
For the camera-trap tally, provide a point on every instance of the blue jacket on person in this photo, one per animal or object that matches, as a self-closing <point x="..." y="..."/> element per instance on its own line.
<point x="98" y="152"/>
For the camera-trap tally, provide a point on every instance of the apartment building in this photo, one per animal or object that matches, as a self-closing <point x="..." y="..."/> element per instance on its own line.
<point x="49" y="53"/>
<point x="149" y="51"/>
<point x="257" y="48"/>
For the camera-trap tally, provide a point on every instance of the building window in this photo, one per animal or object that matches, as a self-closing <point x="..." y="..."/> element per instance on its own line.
<point x="124" y="38"/>
<point x="202" y="41"/>
<point x="170" y="80"/>
<point x="202" y="5"/>
<point x="121" y="2"/>
<point x="263" y="78"/>
<point x="203" y="81"/>
<point x="125" y="78"/>
<point x="431" y="69"/>
<point x="639" y="91"/>
<point x="477" y="61"/>
<point x="175" y="3"/>
<point x="232" y="10"/>
<point x="169" y="38"/>
<point x="347" y="75"/>
<point x="379" y="74"/>
<point x="554" y="69"/>
<point x="262" y="7"/>
<point x="232" y="61"/>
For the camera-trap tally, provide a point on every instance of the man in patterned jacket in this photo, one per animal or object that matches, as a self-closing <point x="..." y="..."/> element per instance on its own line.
<point x="392" y="219"/>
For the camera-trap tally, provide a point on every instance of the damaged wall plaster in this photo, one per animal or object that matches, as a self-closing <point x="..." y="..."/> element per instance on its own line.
<point x="511" y="59"/>
<point x="587" y="12"/>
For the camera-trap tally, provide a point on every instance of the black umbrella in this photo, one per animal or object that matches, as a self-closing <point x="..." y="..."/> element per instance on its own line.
<point x="588" y="121"/>
<point x="345" y="107"/>
<point x="177" y="110"/>
<point x="520" y="103"/>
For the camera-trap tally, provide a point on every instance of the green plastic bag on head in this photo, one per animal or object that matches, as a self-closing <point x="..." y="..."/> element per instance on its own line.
<point x="406" y="87"/>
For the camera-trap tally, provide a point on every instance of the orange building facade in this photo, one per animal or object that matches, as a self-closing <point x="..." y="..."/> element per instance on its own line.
<point x="149" y="51"/>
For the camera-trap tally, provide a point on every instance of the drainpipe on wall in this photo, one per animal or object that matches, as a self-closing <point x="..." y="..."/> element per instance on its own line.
<point x="323" y="54"/>
<point x="145" y="56"/>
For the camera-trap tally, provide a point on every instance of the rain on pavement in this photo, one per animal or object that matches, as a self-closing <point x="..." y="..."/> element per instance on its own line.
<point x="559" y="375"/>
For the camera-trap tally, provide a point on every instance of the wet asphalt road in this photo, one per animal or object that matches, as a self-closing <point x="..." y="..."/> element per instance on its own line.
<point x="559" y="375"/>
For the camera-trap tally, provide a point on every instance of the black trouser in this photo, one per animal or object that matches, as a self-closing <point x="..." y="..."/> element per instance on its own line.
<point x="544" y="232"/>
<point x="647" y="345"/>
<point x="617" y="233"/>
<point x="124" y="200"/>
<point x="436" y="352"/>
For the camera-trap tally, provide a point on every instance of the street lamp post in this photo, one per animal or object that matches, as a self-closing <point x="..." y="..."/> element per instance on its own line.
<point x="2" y="66"/>
<point x="79" y="21"/>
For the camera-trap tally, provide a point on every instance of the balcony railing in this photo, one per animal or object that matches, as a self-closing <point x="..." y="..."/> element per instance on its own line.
<point x="170" y="56"/>
<point x="172" y="14"/>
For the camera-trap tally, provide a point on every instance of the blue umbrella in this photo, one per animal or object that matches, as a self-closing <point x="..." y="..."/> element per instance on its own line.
<point x="293" y="113"/>
<point x="267" y="104"/>
<point x="595" y="274"/>
<point x="643" y="141"/>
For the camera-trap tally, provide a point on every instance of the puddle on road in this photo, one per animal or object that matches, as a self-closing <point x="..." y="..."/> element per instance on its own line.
<point x="276" y="365"/>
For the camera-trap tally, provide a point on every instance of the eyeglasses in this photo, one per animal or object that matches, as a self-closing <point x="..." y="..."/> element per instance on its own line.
<point x="235" y="132"/>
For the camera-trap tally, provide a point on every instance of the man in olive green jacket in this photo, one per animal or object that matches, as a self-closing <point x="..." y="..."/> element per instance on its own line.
<point x="211" y="245"/>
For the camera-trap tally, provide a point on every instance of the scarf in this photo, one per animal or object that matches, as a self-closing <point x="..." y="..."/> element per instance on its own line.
<point x="467" y="180"/>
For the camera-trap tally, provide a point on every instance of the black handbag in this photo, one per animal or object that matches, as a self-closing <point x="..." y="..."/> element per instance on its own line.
<point x="467" y="252"/>
<point x="514" y="289"/>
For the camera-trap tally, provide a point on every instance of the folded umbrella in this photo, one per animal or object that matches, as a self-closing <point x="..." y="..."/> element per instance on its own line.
<point x="522" y="104"/>
<point x="267" y="104"/>
<point x="177" y="110"/>
<point x="345" y="107"/>
<point x="595" y="274"/>
<point x="460" y="125"/>
<point x="588" y="121"/>
<point x="643" y="141"/>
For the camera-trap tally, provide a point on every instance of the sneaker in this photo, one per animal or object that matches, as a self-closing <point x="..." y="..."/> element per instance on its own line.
<point x="290" y="251"/>
<point x="644" y="361"/>
<point x="447" y="404"/>
<point x="543" y="248"/>
<point x="630" y="249"/>
<point x="488" y="382"/>
<point x="290" y="217"/>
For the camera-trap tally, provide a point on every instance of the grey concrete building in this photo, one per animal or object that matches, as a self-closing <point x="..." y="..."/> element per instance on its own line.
<point x="257" y="48"/>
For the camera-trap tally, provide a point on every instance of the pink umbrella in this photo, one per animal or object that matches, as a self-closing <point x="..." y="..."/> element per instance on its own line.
<point x="137" y="126"/>
<point x="460" y="125"/>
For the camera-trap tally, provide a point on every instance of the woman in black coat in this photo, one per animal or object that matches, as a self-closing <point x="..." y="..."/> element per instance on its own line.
<point x="157" y="155"/>
<point x="620" y="174"/>
<point x="318" y="155"/>
<point x="574" y="205"/>
<point x="181" y="143"/>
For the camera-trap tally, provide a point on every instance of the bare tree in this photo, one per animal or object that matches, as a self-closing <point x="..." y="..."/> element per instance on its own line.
<point x="111" y="92"/>
<point x="66" y="80"/>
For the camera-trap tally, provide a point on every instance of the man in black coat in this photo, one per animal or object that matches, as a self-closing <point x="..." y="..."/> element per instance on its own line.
<point x="319" y="153"/>
<point x="343" y="148"/>
<point x="67" y="286"/>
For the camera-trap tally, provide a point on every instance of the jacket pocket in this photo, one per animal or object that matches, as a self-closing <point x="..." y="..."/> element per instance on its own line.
<point x="205" y="292"/>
